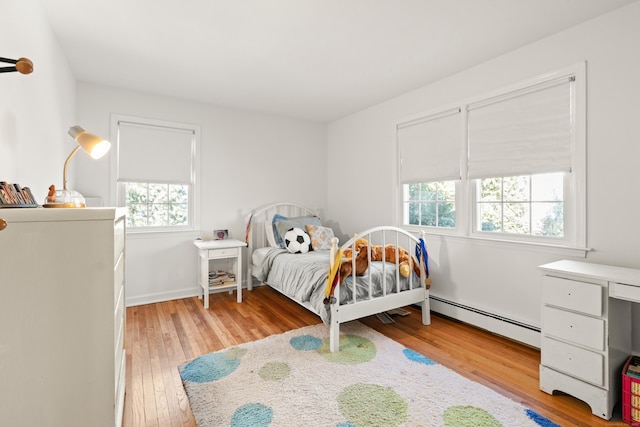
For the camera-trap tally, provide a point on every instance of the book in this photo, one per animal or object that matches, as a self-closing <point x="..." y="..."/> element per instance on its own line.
<point x="221" y="277"/>
<point x="14" y="195"/>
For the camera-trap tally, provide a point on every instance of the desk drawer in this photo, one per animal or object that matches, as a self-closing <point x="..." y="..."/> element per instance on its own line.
<point x="622" y="291"/>
<point x="580" y="363"/>
<point x="577" y="328"/>
<point x="223" y="253"/>
<point x="573" y="295"/>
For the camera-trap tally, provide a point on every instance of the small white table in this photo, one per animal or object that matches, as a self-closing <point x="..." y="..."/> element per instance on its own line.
<point x="229" y="251"/>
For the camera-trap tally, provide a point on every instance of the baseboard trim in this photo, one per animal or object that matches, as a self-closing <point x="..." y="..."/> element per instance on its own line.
<point x="132" y="301"/>
<point x="510" y="328"/>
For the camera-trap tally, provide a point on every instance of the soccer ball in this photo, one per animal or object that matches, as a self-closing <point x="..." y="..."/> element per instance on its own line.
<point x="297" y="241"/>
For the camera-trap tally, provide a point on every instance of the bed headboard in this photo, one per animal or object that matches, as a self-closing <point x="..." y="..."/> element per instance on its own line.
<point x="261" y="218"/>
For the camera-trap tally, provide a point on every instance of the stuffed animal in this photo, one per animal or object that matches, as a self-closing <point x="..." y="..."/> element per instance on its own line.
<point x="346" y="266"/>
<point x="389" y="255"/>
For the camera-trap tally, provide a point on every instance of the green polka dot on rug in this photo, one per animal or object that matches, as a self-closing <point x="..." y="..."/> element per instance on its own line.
<point x="469" y="416"/>
<point x="274" y="371"/>
<point x="354" y="349"/>
<point x="372" y="405"/>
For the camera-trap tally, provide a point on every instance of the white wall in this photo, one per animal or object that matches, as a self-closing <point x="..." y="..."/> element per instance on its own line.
<point x="244" y="160"/>
<point x="36" y="109"/>
<point x="502" y="278"/>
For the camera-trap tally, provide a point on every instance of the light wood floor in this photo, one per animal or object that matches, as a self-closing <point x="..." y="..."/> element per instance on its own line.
<point x="161" y="336"/>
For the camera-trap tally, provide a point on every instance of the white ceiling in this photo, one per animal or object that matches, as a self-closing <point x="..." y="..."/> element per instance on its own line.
<point x="311" y="59"/>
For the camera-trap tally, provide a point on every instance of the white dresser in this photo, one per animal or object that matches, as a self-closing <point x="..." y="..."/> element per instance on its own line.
<point x="62" y="317"/>
<point x="586" y="330"/>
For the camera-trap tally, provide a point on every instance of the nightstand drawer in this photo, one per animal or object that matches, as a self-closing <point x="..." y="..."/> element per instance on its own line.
<point x="577" y="328"/>
<point x="573" y="295"/>
<point x="580" y="363"/>
<point x="223" y="253"/>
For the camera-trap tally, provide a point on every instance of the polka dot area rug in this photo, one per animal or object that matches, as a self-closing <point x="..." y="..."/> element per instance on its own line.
<point x="292" y="379"/>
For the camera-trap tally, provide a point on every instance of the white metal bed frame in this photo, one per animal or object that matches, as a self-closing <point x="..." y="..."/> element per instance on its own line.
<point x="341" y="313"/>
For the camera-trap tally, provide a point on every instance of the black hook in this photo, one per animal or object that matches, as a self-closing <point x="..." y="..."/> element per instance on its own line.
<point x="22" y="65"/>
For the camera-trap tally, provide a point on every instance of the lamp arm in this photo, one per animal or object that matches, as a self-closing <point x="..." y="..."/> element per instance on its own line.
<point x="64" y="171"/>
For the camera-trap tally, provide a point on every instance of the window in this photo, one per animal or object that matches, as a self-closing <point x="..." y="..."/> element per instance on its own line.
<point x="522" y="164"/>
<point x="156" y="173"/>
<point x="527" y="205"/>
<point x="430" y="204"/>
<point x="156" y="205"/>
<point x="429" y="150"/>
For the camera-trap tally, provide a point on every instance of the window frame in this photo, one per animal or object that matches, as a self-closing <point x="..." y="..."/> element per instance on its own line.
<point x="118" y="189"/>
<point x="574" y="204"/>
<point x="501" y="235"/>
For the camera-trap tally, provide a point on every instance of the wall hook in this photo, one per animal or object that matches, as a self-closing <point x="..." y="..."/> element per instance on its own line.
<point x="22" y="65"/>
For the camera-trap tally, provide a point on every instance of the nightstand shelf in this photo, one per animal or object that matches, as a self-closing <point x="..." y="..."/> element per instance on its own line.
<point x="224" y="255"/>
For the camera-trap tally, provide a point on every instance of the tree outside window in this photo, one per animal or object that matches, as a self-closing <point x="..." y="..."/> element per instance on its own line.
<point x="524" y="205"/>
<point x="156" y="205"/>
<point x="430" y="204"/>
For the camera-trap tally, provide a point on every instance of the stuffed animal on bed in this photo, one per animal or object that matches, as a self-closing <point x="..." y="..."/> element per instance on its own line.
<point x="389" y="255"/>
<point x="346" y="266"/>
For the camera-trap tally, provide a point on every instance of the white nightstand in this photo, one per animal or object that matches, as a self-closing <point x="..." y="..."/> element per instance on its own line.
<point x="226" y="256"/>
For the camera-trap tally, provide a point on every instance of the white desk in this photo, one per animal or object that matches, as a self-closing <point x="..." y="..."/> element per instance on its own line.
<point x="586" y="330"/>
<point x="228" y="250"/>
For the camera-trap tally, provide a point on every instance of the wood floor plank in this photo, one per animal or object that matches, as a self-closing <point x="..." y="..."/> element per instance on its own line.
<point x="164" y="335"/>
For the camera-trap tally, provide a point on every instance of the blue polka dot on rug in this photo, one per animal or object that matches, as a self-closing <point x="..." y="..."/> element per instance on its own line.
<point x="305" y="342"/>
<point x="252" y="415"/>
<point x="414" y="356"/>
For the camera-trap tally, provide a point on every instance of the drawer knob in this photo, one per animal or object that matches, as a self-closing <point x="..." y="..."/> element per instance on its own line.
<point x="3" y="224"/>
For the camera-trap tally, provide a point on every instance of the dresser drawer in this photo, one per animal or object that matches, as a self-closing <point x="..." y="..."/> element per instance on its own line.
<point x="118" y="314"/>
<point x="223" y="253"/>
<point x="118" y="239"/>
<point x="118" y="282"/>
<point x="580" y="363"/>
<point x="577" y="328"/>
<point x="573" y="295"/>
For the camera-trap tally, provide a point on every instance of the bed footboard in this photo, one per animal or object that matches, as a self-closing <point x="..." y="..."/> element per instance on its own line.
<point x="375" y="242"/>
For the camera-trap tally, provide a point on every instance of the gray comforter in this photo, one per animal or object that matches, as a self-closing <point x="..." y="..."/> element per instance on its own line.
<point x="303" y="277"/>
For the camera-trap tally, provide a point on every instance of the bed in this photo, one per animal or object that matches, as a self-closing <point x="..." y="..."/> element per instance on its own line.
<point x="307" y="277"/>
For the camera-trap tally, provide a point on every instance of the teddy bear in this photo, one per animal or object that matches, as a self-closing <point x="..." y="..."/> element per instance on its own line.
<point x="389" y="256"/>
<point x="346" y="266"/>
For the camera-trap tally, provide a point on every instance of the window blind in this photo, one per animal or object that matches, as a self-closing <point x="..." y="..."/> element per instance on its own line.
<point x="148" y="153"/>
<point x="523" y="132"/>
<point x="429" y="148"/>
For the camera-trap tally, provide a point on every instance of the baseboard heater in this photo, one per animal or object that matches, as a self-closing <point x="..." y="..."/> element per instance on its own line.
<point x="485" y="313"/>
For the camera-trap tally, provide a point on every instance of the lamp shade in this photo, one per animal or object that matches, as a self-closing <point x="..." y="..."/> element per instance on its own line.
<point x="92" y="144"/>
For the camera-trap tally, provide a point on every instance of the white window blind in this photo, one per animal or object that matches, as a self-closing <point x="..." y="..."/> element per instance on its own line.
<point x="429" y="148"/>
<point x="148" y="153"/>
<point x="524" y="132"/>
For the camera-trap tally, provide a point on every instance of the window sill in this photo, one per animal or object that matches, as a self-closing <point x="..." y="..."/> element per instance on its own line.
<point x="563" y="250"/>
<point x="160" y="232"/>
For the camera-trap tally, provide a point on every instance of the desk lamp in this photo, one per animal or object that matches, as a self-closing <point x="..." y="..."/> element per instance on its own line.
<point x="92" y="144"/>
